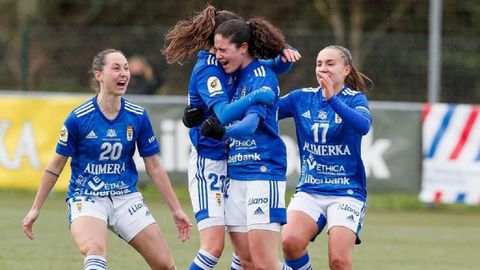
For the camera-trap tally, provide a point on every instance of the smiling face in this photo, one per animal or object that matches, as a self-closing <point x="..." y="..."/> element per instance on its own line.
<point x="331" y="62"/>
<point x="229" y="55"/>
<point x="114" y="76"/>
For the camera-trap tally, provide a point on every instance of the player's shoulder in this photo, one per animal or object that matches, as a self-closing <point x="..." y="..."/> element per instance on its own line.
<point x="348" y="92"/>
<point x="263" y="70"/>
<point x="309" y="90"/>
<point x="206" y="60"/>
<point x="86" y="108"/>
<point x="133" y="108"/>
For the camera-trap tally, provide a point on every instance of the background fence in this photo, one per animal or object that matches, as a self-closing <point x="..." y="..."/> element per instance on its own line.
<point x="58" y="59"/>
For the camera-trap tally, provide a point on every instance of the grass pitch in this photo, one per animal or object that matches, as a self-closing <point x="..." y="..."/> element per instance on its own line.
<point x="399" y="233"/>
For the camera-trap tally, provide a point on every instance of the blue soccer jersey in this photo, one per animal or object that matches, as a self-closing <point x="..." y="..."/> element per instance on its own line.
<point x="101" y="150"/>
<point x="208" y="86"/>
<point x="263" y="155"/>
<point x="330" y="148"/>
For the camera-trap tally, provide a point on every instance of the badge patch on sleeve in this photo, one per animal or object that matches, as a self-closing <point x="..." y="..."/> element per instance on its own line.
<point x="214" y="86"/>
<point x="63" y="136"/>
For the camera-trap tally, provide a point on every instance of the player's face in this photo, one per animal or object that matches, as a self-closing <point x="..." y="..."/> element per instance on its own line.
<point x="332" y="63"/>
<point x="229" y="55"/>
<point x="115" y="74"/>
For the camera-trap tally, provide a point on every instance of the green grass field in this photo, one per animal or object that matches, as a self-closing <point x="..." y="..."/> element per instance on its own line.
<point x="399" y="233"/>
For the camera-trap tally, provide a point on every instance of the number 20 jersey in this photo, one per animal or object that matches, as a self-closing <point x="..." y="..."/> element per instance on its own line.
<point x="330" y="150"/>
<point x="101" y="149"/>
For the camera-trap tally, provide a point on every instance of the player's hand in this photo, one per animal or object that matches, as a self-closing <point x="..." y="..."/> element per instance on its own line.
<point x="290" y="54"/>
<point x="213" y="128"/>
<point x="184" y="226"/>
<point x="327" y="84"/>
<point x="28" y="223"/>
<point x="192" y="116"/>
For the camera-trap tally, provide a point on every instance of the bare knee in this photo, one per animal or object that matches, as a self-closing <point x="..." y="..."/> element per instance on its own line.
<point x="339" y="263"/>
<point x="292" y="246"/>
<point x="215" y="250"/>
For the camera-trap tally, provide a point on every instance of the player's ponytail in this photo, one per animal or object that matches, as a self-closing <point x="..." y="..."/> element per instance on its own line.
<point x="190" y="36"/>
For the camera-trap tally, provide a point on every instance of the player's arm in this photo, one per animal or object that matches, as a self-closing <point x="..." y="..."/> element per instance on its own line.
<point x="229" y="112"/>
<point x="358" y="118"/>
<point x="284" y="61"/>
<point x="47" y="182"/>
<point x="159" y="176"/>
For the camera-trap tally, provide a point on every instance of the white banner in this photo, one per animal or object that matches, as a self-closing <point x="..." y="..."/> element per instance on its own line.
<point x="451" y="151"/>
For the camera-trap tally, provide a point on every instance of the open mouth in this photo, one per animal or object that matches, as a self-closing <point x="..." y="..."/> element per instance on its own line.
<point x="122" y="83"/>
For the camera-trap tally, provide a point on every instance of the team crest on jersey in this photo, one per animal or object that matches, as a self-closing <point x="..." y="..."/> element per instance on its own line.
<point x="129" y="133"/>
<point x="63" y="136"/>
<point x="111" y="133"/>
<point x="338" y="119"/>
<point x="214" y="85"/>
<point x="322" y="115"/>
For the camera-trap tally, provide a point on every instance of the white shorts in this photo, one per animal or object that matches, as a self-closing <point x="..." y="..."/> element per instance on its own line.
<point x="206" y="179"/>
<point x="255" y="204"/>
<point x="331" y="210"/>
<point x="126" y="215"/>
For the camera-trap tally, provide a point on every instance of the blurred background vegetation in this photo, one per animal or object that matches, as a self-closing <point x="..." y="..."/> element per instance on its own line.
<point x="47" y="45"/>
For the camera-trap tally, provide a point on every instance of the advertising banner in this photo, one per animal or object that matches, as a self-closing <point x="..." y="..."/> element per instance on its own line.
<point x="30" y="126"/>
<point x="29" y="130"/>
<point x="451" y="154"/>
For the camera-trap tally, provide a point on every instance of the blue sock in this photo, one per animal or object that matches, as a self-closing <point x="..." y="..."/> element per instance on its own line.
<point x="286" y="267"/>
<point x="302" y="263"/>
<point x="95" y="262"/>
<point x="236" y="265"/>
<point x="203" y="261"/>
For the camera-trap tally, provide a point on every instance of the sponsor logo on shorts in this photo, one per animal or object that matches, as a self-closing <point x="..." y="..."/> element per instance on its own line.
<point x="258" y="211"/>
<point x="350" y="218"/>
<point x="134" y="208"/>
<point x="348" y="208"/>
<point x="252" y="201"/>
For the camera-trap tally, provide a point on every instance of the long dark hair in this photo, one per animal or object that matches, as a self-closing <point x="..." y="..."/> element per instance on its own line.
<point x="264" y="39"/>
<point x="191" y="35"/>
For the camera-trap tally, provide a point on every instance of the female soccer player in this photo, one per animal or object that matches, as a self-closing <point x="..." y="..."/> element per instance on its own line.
<point x="100" y="136"/>
<point x="330" y="121"/>
<point x="255" y="198"/>
<point x="210" y="91"/>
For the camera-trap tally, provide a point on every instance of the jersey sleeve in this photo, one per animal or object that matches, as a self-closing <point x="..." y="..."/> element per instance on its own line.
<point x="68" y="140"/>
<point x="269" y="82"/>
<point x="286" y="105"/>
<point x="210" y="86"/>
<point x="357" y="115"/>
<point x="147" y="143"/>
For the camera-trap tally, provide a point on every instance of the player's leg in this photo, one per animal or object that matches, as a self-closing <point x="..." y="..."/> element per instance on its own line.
<point x="88" y="229"/>
<point x="206" y="177"/>
<point x="236" y="221"/>
<point x="306" y="219"/>
<point x="265" y="212"/>
<point x="344" y="218"/>
<point x="151" y="244"/>
<point x="239" y="240"/>
<point x="133" y="221"/>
